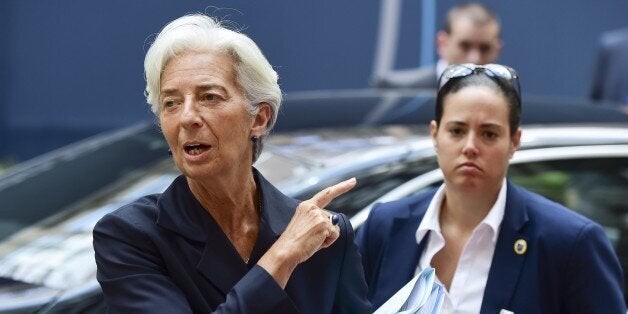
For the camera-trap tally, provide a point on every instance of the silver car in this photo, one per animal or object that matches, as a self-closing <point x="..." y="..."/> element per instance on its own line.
<point x="46" y="219"/>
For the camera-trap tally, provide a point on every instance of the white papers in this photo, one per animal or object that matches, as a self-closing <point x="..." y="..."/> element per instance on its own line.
<point x="421" y="295"/>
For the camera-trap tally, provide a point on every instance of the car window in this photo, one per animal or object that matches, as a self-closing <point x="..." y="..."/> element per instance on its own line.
<point x="57" y="252"/>
<point x="42" y="187"/>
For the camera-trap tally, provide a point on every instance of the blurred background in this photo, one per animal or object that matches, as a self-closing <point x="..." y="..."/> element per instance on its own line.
<point x="71" y="69"/>
<point x="77" y="139"/>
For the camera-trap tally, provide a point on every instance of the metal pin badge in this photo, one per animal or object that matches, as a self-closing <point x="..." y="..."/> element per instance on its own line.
<point x="334" y="219"/>
<point x="521" y="246"/>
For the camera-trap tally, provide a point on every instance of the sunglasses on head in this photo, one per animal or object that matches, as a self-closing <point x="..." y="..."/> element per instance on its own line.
<point x="493" y="70"/>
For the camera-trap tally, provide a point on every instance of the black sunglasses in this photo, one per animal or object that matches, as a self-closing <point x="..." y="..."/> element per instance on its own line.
<point x="493" y="70"/>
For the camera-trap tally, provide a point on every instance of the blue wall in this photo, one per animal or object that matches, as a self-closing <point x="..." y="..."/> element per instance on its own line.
<point x="71" y="68"/>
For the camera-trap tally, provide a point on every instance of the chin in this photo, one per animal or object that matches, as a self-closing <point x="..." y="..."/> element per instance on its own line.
<point x="469" y="183"/>
<point x="197" y="172"/>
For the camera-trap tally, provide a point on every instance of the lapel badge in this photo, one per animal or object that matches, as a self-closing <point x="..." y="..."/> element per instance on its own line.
<point x="521" y="246"/>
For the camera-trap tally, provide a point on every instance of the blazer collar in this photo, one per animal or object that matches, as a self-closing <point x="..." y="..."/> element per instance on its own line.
<point x="180" y="212"/>
<point x="277" y="208"/>
<point x="507" y="264"/>
<point x="220" y="263"/>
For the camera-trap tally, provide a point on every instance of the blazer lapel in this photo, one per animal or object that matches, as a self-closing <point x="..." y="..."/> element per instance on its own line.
<point x="400" y="256"/>
<point x="507" y="264"/>
<point x="180" y="212"/>
<point x="277" y="208"/>
<point x="220" y="262"/>
<point x="276" y="212"/>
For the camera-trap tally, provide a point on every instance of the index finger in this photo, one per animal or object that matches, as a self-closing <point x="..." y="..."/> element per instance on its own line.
<point x="324" y="197"/>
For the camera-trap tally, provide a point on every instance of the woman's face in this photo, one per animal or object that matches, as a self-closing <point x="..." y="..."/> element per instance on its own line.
<point x="473" y="140"/>
<point x="204" y="117"/>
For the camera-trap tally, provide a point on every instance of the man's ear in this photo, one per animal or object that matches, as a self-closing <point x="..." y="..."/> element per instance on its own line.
<point x="498" y="46"/>
<point x="441" y="42"/>
<point x="261" y="119"/>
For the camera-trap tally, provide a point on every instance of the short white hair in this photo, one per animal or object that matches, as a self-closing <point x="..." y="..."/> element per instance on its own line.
<point x="200" y="33"/>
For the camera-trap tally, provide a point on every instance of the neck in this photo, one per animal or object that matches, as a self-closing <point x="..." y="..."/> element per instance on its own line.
<point x="231" y="200"/>
<point x="466" y="210"/>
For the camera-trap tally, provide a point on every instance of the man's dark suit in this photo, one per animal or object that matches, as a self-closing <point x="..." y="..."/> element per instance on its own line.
<point x="423" y="77"/>
<point x="569" y="265"/>
<point x="610" y="79"/>
<point x="164" y="254"/>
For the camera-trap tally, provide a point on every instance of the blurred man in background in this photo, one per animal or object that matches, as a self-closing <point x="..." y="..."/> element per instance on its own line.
<point x="471" y="35"/>
<point x="610" y="78"/>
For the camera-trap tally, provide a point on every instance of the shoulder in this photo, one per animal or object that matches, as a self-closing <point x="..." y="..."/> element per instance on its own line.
<point x="543" y="207"/>
<point x="553" y="220"/>
<point x="425" y="77"/>
<point x="614" y="38"/>
<point x="427" y="71"/>
<point x="139" y="214"/>
<point x="422" y="77"/>
<point x="383" y="217"/>
<point x="128" y="231"/>
<point x="404" y="207"/>
<point x="566" y="243"/>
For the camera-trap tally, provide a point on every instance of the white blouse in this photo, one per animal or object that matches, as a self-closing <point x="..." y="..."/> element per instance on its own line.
<point x="469" y="281"/>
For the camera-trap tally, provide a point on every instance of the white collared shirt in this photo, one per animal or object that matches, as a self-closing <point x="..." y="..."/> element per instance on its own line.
<point x="441" y="65"/>
<point x="469" y="281"/>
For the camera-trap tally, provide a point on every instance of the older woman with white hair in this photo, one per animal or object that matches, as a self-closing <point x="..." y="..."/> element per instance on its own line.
<point x="221" y="238"/>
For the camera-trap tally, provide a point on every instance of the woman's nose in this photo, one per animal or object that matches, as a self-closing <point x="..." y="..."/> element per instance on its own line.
<point x="190" y="116"/>
<point x="470" y="148"/>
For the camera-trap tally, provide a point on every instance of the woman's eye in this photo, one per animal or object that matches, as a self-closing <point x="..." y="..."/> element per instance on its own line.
<point x="456" y="131"/>
<point x="168" y="103"/>
<point x="210" y="97"/>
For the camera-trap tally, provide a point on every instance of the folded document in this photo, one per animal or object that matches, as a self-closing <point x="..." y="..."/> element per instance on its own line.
<point x="421" y="295"/>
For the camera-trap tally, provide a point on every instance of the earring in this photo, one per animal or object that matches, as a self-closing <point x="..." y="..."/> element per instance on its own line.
<point x="169" y="152"/>
<point x="254" y="138"/>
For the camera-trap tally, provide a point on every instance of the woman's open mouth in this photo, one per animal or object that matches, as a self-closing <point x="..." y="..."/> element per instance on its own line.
<point x="196" y="149"/>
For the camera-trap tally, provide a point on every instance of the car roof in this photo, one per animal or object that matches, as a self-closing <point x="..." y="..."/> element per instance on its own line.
<point x="297" y="160"/>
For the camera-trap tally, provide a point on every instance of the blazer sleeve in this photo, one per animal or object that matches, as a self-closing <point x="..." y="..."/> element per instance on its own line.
<point x="595" y="277"/>
<point x="351" y="291"/>
<point x="134" y="279"/>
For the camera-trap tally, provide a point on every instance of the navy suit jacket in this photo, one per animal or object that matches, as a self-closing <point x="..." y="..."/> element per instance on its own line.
<point x="164" y="254"/>
<point x="610" y="77"/>
<point x="569" y="265"/>
<point x="423" y="77"/>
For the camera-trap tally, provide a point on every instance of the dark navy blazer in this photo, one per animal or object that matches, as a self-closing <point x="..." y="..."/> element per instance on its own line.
<point x="423" y="77"/>
<point x="164" y="254"/>
<point x="569" y="265"/>
<point x="610" y="77"/>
